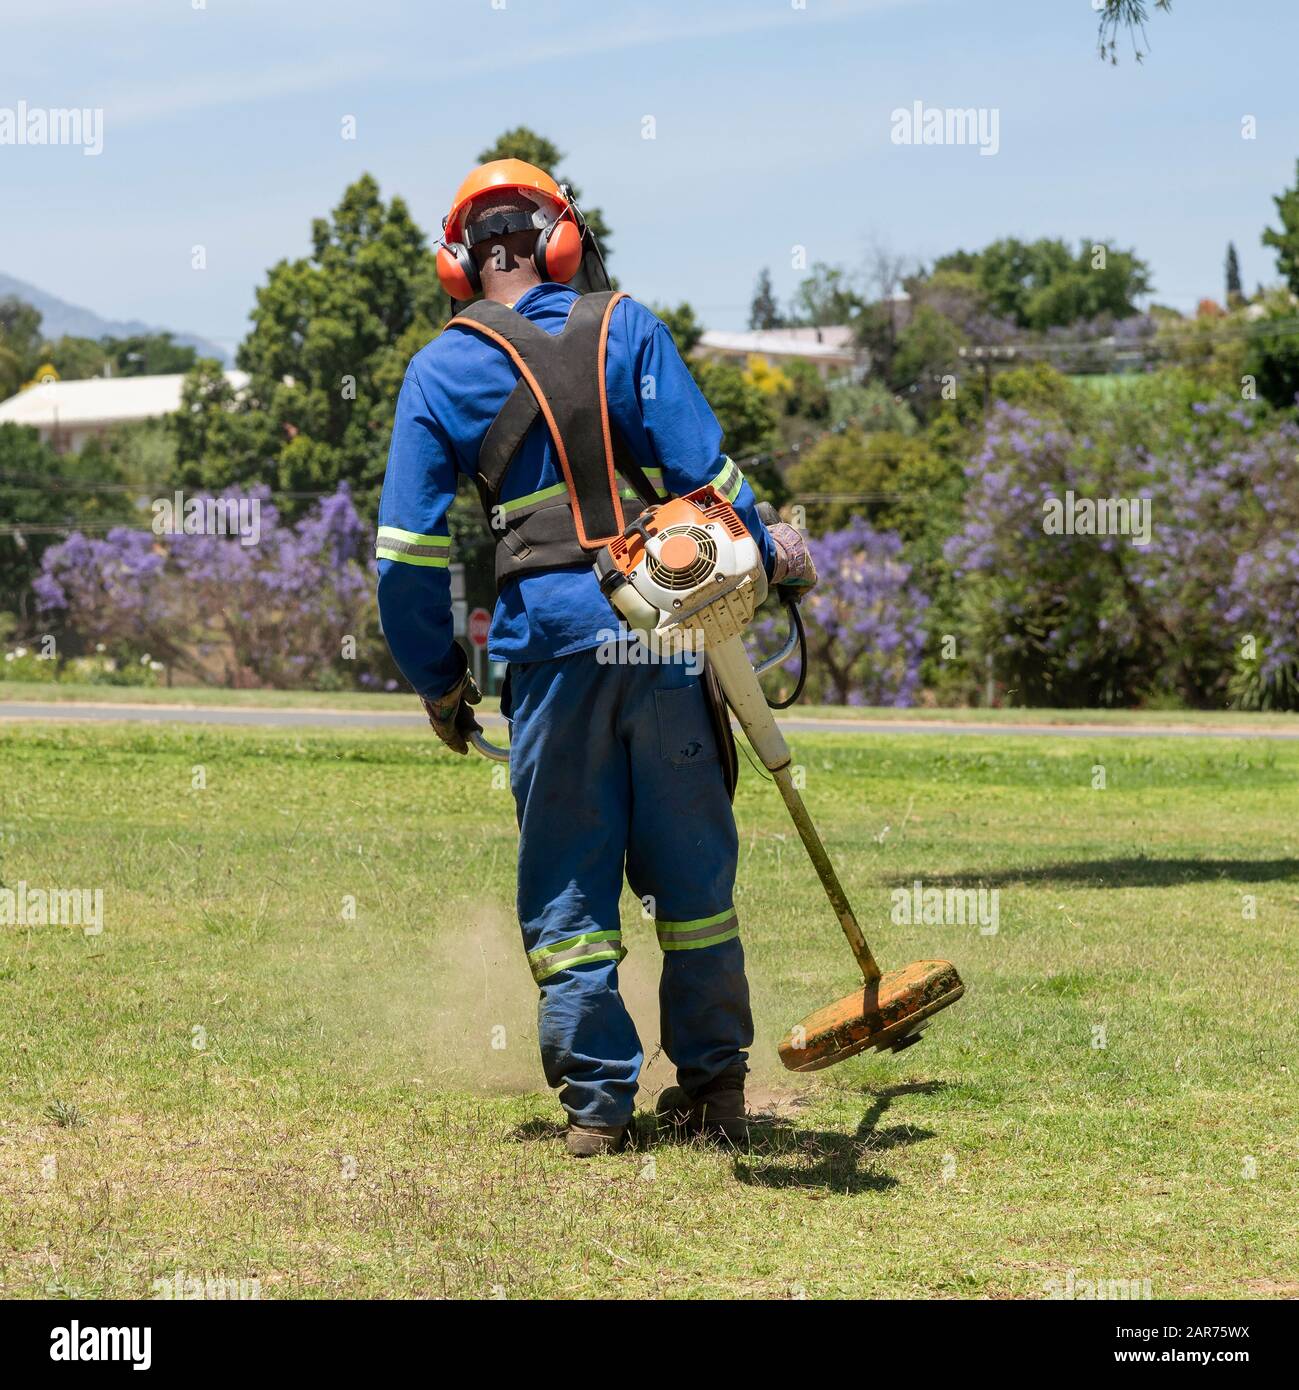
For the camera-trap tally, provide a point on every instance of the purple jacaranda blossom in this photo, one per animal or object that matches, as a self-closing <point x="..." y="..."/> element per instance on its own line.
<point x="274" y="612"/>
<point x="1088" y="618"/>
<point x="864" y="621"/>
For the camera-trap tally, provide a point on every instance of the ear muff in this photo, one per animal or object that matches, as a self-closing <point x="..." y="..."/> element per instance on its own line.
<point x="559" y="249"/>
<point x="458" y="271"/>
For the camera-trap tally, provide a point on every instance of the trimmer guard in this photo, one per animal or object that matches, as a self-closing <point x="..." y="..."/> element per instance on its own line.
<point x="881" y="1016"/>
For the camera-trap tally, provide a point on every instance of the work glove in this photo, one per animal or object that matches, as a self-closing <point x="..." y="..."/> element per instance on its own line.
<point x="794" y="573"/>
<point x="450" y="713"/>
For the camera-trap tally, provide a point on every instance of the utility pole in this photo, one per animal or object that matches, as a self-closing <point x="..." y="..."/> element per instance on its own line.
<point x="984" y="357"/>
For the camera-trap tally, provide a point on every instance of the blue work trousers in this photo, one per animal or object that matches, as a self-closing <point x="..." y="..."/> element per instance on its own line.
<point x="614" y="766"/>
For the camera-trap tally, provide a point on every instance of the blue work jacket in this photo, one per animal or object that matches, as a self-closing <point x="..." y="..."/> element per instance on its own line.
<point x="452" y="392"/>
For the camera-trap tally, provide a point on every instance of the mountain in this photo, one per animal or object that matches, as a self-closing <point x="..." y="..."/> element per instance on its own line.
<point x="70" y="320"/>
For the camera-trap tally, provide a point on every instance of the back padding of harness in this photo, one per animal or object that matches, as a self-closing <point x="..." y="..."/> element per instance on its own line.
<point x="562" y="381"/>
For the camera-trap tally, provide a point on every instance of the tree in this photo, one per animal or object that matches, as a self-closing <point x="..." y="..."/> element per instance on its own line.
<point x="809" y="396"/>
<point x="889" y="478"/>
<point x="1272" y="357"/>
<point x="744" y="413"/>
<point x="76" y="359"/>
<point x="1042" y="284"/>
<point x="1129" y="15"/>
<point x="332" y="335"/>
<point x="213" y="432"/>
<point x="878" y="324"/>
<point x="11" y="373"/>
<point x="827" y="297"/>
<point x="148" y="354"/>
<point x="274" y="613"/>
<point x="525" y="144"/>
<point x="928" y="350"/>
<point x="764" y="312"/>
<point x="20" y="332"/>
<point x="869" y="407"/>
<point x="1286" y="242"/>
<point x="770" y="378"/>
<point x="40" y="492"/>
<point x="1232" y="276"/>
<point x="1008" y="271"/>
<point x="864" y="619"/>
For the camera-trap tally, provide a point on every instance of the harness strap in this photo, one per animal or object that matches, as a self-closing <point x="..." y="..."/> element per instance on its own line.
<point x="503" y="440"/>
<point x="556" y="379"/>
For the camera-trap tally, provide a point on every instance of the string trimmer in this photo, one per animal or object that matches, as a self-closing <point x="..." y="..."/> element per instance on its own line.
<point x="686" y="571"/>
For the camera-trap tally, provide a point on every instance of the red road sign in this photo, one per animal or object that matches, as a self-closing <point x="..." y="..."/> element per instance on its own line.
<point x="479" y="621"/>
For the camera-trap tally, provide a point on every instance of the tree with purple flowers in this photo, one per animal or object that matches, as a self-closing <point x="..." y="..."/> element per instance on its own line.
<point x="1263" y="610"/>
<point x="275" y="613"/>
<point x="1054" y="613"/>
<point x="1079" y="619"/>
<point x="864" y="621"/>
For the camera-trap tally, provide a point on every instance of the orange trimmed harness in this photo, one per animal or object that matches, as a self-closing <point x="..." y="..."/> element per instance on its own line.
<point x="561" y="381"/>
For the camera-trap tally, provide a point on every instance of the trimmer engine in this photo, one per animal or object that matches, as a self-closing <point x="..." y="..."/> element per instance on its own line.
<point x="689" y="563"/>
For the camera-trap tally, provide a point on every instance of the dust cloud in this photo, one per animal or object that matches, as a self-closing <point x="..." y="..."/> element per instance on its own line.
<point x="457" y="1007"/>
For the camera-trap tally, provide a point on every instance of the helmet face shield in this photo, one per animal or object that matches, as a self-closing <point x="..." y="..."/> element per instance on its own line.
<point x="591" y="275"/>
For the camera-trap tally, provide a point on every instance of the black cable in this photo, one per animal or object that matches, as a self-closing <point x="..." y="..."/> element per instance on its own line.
<point x="796" y="618"/>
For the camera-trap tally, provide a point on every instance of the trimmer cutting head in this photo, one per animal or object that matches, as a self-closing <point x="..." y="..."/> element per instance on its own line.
<point x="885" y="1015"/>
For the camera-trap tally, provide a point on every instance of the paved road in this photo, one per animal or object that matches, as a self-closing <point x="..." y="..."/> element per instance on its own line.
<point x="380" y="719"/>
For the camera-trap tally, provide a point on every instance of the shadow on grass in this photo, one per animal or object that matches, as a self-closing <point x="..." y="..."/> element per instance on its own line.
<point x="536" y="1129"/>
<point x="781" y="1155"/>
<point x="827" y="1159"/>
<point x="1138" y="872"/>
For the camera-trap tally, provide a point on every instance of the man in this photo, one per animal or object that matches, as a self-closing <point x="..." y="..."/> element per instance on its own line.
<point x="611" y="764"/>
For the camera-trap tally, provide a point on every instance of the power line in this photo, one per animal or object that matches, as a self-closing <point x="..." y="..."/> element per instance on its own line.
<point x="46" y="528"/>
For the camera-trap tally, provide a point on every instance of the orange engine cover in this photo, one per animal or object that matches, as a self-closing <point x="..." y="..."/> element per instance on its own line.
<point x="703" y="505"/>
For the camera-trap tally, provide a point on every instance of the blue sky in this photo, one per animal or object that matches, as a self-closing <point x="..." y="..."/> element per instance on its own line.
<point x="221" y="128"/>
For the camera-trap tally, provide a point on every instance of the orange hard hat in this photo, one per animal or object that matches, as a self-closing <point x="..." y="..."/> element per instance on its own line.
<point x="499" y="173"/>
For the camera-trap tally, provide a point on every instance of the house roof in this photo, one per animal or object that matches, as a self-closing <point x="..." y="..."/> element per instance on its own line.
<point x="99" y="401"/>
<point x="834" y="341"/>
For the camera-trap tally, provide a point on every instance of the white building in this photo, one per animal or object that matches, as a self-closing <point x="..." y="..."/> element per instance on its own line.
<point x="68" y="413"/>
<point x="829" y="349"/>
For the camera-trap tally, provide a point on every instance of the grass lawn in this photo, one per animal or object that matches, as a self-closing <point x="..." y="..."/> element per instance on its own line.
<point x="241" y="1077"/>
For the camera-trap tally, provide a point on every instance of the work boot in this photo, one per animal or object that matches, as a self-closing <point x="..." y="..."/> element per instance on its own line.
<point x="590" y="1141"/>
<point x="715" y="1110"/>
<point x="721" y="1114"/>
